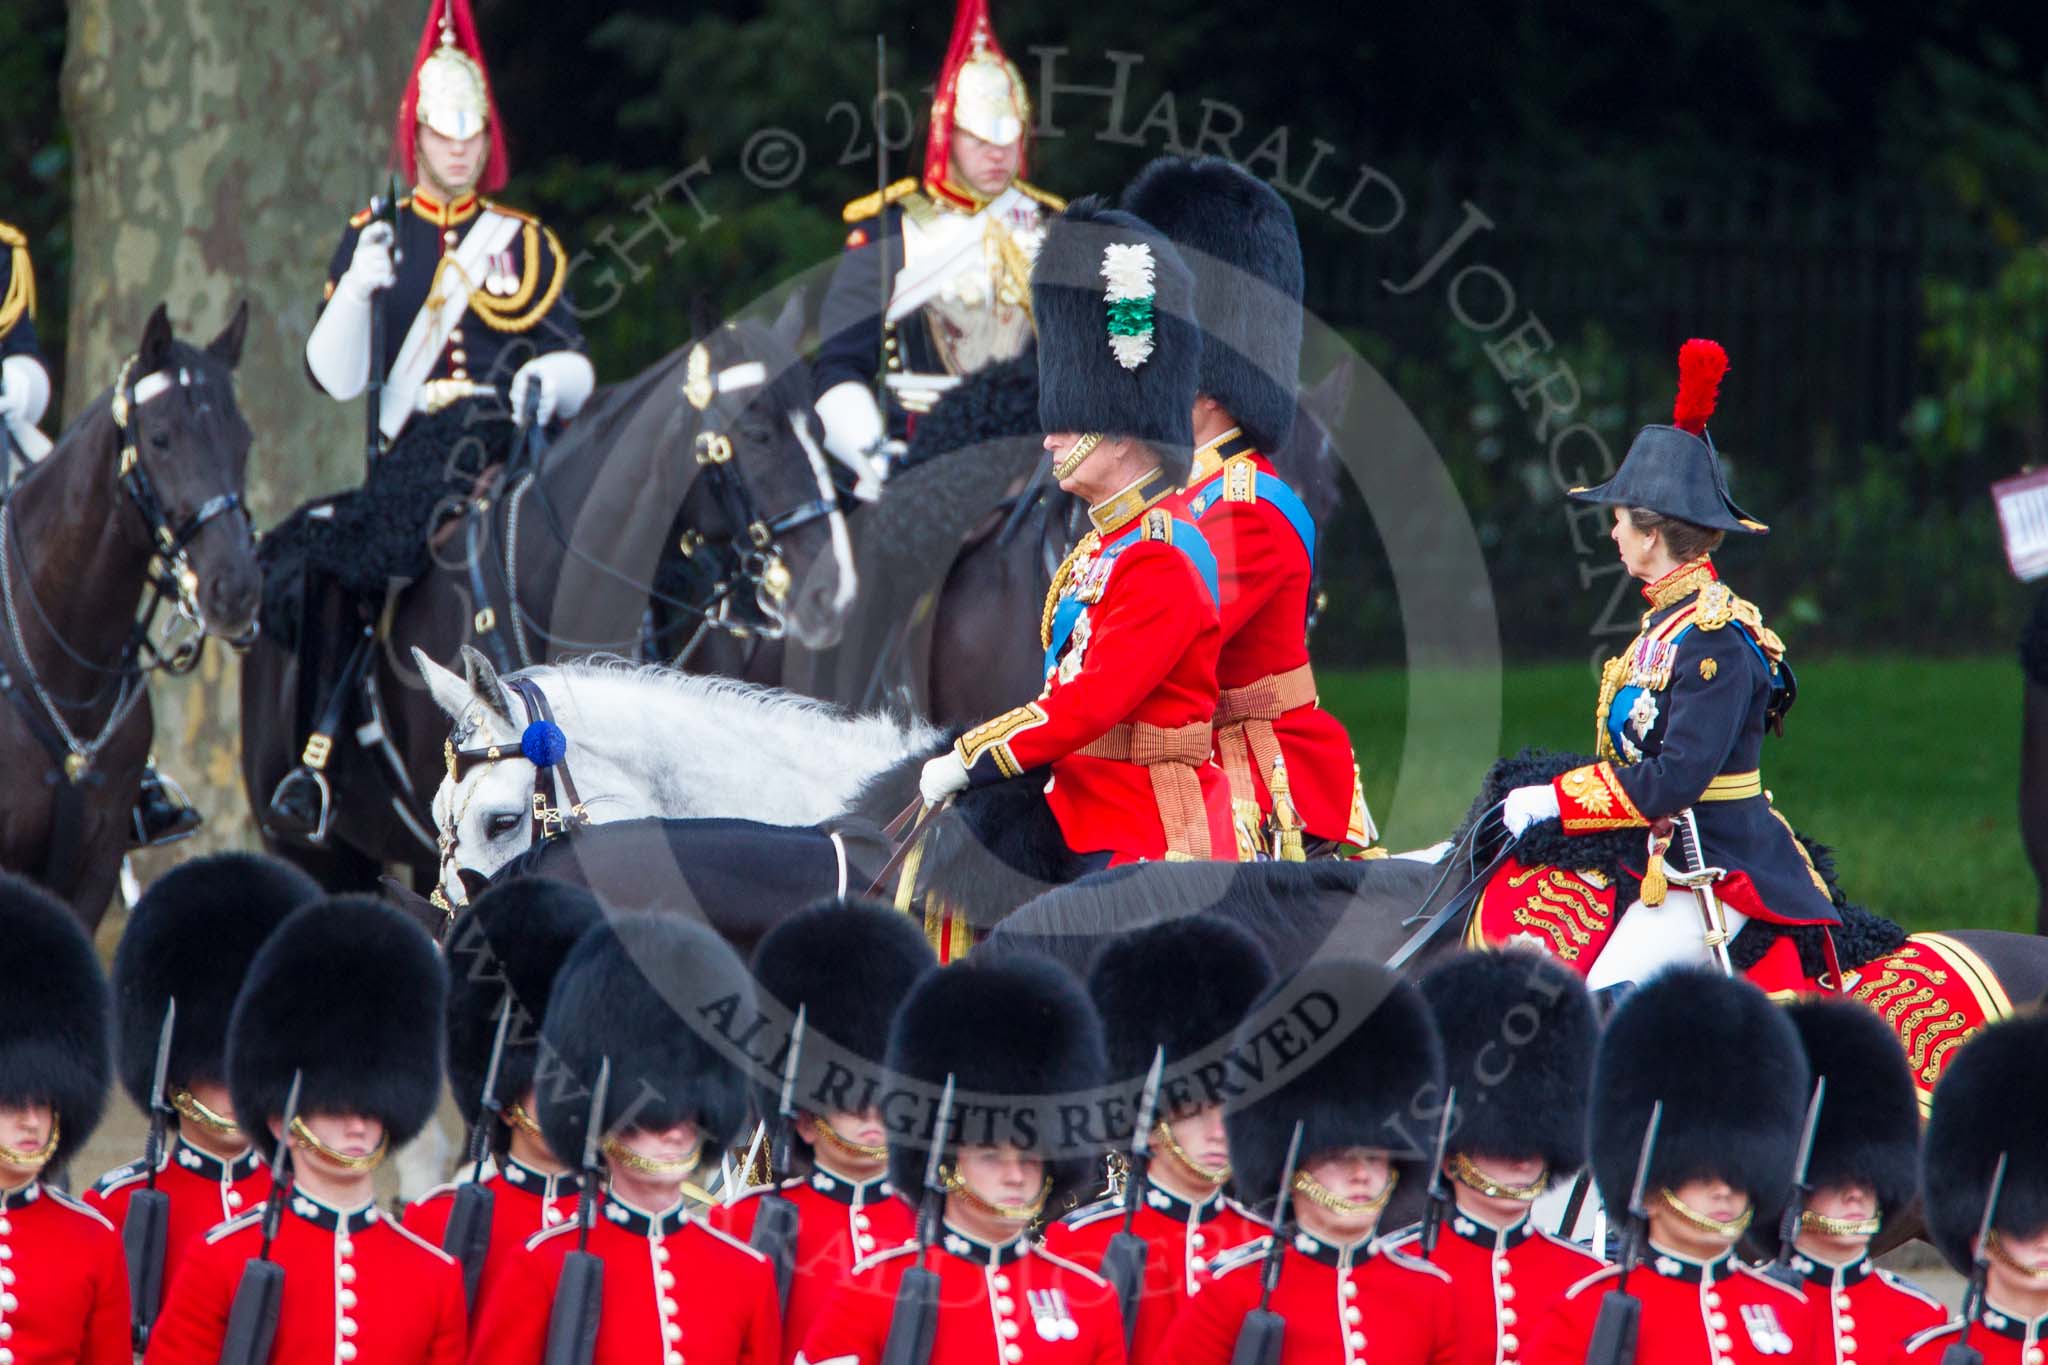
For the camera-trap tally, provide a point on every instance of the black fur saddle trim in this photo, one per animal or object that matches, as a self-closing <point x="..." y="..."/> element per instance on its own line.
<point x="1622" y="854"/>
<point x="996" y="402"/>
<point x="371" y="539"/>
<point x="998" y="847"/>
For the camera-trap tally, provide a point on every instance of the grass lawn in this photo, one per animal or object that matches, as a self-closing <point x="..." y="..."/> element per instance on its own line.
<point x="1908" y="767"/>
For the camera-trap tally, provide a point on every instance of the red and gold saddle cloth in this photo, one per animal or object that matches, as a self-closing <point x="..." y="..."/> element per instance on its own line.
<point x="1936" y="994"/>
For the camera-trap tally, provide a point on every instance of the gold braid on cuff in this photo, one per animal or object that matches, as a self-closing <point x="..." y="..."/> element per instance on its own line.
<point x="1732" y="1229"/>
<point x="1016" y="1213"/>
<point x="1074" y="458"/>
<point x="188" y="1106"/>
<point x="647" y="1165"/>
<point x="1214" y="1175"/>
<point x="36" y="1160"/>
<point x="1841" y="1227"/>
<point x="1472" y="1178"/>
<point x="1312" y="1189"/>
<point x="834" y="1138"/>
<point x="302" y="1137"/>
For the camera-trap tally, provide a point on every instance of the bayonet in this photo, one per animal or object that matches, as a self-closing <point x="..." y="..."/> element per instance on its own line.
<point x="1614" y="1331"/>
<point x="1123" y="1261"/>
<point x="1258" y="1340"/>
<point x="1439" y="1198"/>
<point x="1962" y="1353"/>
<point x="468" y="1235"/>
<point x="1802" y="1186"/>
<point x="145" y="1231"/>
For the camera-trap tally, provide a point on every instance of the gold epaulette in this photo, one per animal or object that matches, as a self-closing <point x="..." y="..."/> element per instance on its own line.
<point x="359" y="221"/>
<point x="495" y="207"/>
<point x="19" y="297"/>
<point x="1159" y="525"/>
<point x="1718" y="605"/>
<point x="868" y="205"/>
<point x="1240" y="479"/>
<point x="1045" y="197"/>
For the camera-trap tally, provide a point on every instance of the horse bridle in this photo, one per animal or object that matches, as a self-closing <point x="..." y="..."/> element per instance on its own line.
<point x="171" y="572"/>
<point x="556" y="808"/>
<point x="754" y="549"/>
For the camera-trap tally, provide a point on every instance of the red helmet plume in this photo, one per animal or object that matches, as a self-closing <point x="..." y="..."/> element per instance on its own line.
<point x="1701" y="364"/>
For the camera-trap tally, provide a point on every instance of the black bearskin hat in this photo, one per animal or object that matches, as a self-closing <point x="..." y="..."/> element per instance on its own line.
<point x="1086" y="383"/>
<point x="350" y="994"/>
<point x="1727" y="1064"/>
<point x="192" y="937"/>
<point x="1238" y="237"/>
<point x="1370" y="1076"/>
<point x="1518" y="1033"/>
<point x="1018" y="1035"/>
<point x="514" y="937"/>
<point x="642" y="989"/>
<point x="1992" y="1099"/>
<point x="848" y="964"/>
<point x="1183" y="984"/>
<point x="55" y="1015"/>
<point x="1869" y="1130"/>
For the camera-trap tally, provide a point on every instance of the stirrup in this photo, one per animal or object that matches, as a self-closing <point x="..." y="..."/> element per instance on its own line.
<point x="301" y="806"/>
<point x="162" y="813"/>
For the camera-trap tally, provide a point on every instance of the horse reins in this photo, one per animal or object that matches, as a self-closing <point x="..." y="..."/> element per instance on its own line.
<point x="170" y="578"/>
<point x="556" y="807"/>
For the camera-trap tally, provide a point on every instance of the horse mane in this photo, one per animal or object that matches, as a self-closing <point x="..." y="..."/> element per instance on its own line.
<point x="775" y="704"/>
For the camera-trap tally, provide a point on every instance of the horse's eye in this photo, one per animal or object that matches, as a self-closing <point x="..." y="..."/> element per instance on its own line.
<point x="160" y="440"/>
<point x="501" y="824"/>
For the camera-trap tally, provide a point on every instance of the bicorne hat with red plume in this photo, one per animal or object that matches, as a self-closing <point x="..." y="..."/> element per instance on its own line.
<point x="979" y="91"/>
<point x="449" y="92"/>
<point x="1672" y="470"/>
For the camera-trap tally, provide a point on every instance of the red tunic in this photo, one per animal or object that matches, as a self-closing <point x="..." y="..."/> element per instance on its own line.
<point x="1722" y="1313"/>
<point x="63" y="1282"/>
<point x="1181" y="1240"/>
<point x="675" y="1290"/>
<point x="1014" y="1304"/>
<point x="2003" y="1340"/>
<point x="1265" y="575"/>
<point x="357" y="1286"/>
<point x="1356" y="1305"/>
<point x="1503" y="1280"/>
<point x="204" y="1192"/>
<point x="1870" y="1313"/>
<point x="523" y="1201"/>
<point x="1141" y="651"/>
<point x="839" y="1224"/>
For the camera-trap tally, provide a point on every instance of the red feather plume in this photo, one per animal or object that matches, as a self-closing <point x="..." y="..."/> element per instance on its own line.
<point x="463" y="22"/>
<point x="1701" y="364"/>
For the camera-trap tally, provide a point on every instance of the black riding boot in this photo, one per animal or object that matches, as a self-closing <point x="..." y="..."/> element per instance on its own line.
<point x="162" y="814"/>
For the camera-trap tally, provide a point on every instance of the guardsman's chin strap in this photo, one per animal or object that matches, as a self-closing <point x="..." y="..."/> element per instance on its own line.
<point x="1841" y="1227"/>
<point x="1015" y="1213"/>
<point x="1472" y="1178"/>
<point x="36" y="1160"/>
<point x="1214" y="1175"/>
<point x="1732" y="1229"/>
<point x="1313" y="1190"/>
<point x="305" y="1141"/>
<point x="189" y="1106"/>
<point x="833" y="1137"/>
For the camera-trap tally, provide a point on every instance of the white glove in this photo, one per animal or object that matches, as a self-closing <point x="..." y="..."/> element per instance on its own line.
<point x="942" y="777"/>
<point x="25" y="398"/>
<point x="565" y="378"/>
<point x="370" y="269"/>
<point x="852" y="422"/>
<point x="1526" y="805"/>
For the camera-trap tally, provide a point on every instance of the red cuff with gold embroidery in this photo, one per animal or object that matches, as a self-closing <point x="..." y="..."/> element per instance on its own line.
<point x="1591" y="799"/>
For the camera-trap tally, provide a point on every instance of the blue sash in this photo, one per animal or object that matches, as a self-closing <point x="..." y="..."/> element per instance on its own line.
<point x="1273" y="492"/>
<point x="1624" y="702"/>
<point x="1187" y="538"/>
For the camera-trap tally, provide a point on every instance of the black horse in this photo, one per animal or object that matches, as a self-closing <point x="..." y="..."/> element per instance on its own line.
<point x="553" y="560"/>
<point x="138" y="507"/>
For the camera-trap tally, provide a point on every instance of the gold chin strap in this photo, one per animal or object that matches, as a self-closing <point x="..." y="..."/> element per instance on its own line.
<point x="36" y="1160"/>
<point x="1995" y="1245"/>
<point x="1073" y="459"/>
<point x="864" y="1150"/>
<point x="1016" y="1213"/>
<point x="188" y="1106"/>
<point x="516" y="1115"/>
<point x="1732" y="1229"/>
<point x="647" y="1165"/>
<point x="1841" y="1227"/>
<point x="302" y="1137"/>
<point x="1312" y="1189"/>
<point x="1214" y="1175"/>
<point x="1472" y="1178"/>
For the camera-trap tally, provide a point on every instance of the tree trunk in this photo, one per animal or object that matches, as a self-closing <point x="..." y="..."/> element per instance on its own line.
<point x="220" y="147"/>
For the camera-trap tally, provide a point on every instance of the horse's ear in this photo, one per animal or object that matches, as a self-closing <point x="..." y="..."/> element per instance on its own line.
<point x="789" y="323"/>
<point x="227" y="347"/>
<point x="449" y="692"/>
<point x="155" y="347"/>
<point x="484" y="684"/>
<point x="1327" y="398"/>
<point x="703" y="317"/>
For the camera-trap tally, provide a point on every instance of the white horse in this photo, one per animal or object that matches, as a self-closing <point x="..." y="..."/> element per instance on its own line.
<point x="645" y="740"/>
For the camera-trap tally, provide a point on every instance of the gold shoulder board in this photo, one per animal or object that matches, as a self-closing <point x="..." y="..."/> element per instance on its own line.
<point x="1045" y="197"/>
<point x="868" y="205"/>
<point x="1159" y="525"/>
<point x="495" y="207"/>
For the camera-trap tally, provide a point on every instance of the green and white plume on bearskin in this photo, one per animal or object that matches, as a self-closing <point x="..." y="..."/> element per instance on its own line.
<point x="1127" y="268"/>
